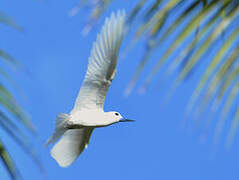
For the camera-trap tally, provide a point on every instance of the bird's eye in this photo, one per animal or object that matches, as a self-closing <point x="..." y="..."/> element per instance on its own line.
<point x="116" y="114"/>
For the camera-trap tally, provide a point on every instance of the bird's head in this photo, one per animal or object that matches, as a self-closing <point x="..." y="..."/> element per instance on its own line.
<point x="115" y="117"/>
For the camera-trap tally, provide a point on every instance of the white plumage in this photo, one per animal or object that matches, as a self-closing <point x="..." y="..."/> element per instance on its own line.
<point x="102" y="64"/>
<point x="88" y="113"/>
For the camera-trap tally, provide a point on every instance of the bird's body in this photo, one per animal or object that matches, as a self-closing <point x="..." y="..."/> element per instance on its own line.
<point x="93" y="118"/>
<point x="88" y="114"/>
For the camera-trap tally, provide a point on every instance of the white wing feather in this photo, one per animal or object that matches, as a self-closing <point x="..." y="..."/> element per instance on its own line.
<point x="71" y="146"/>
<point x="102" y="64"/>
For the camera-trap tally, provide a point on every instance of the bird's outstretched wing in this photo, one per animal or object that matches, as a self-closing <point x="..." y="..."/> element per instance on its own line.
<point x="102" y="64"/>
<point x="71" y="145"/>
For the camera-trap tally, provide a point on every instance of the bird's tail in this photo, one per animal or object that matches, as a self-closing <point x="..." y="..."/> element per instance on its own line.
<point x="60" y="128"/>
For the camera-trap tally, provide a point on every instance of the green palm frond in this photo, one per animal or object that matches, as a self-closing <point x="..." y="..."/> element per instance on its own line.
<point x="198" y="28"/>
<point x="8" y="102"/>
<point x="10" y="109"/>
<point x="9" y="163"/>
<point x="98" y="7"/>
<point x="4" y="19"/>
<point x="9" y="59"/>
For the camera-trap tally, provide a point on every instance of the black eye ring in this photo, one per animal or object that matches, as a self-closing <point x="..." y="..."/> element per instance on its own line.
<point x="116" y="114"/>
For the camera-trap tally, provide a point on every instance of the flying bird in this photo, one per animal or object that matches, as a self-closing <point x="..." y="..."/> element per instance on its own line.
<point x="74" y="129"/>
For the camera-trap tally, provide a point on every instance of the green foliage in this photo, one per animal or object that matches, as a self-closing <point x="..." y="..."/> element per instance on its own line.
<point x="12" y="110"/>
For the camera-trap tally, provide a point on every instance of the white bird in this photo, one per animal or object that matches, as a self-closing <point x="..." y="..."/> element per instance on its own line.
<point x="87" y="114"/>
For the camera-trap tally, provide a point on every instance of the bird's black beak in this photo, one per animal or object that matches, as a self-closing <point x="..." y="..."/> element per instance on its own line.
<point x="126" y="120"/>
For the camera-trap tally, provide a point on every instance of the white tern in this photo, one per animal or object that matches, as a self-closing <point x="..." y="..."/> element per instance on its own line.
<point x="87" y="114"/>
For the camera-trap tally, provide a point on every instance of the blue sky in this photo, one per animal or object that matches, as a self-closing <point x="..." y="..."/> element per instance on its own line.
<point x="55" y="55"/>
